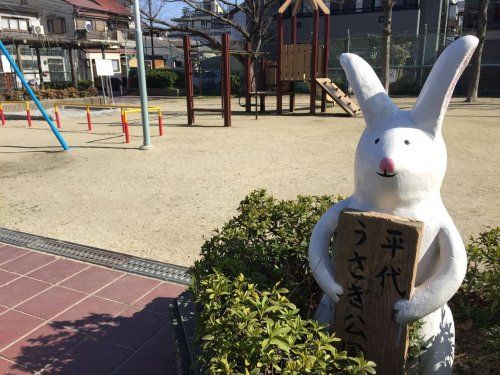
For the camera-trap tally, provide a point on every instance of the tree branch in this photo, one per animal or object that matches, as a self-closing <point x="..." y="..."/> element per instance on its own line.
<point x="219" y="17"/>
<point x="176" y="27"/>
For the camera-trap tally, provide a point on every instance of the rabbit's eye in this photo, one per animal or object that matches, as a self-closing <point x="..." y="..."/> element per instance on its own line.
<point x="407" y="142"/>
<point x="377" y="140"/>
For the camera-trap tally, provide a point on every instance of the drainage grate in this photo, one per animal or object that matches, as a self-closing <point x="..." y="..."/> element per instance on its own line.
<point x="111" y="259"/>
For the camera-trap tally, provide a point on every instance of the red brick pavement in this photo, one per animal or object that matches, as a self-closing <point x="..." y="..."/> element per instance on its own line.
<point x="59" y="316"/>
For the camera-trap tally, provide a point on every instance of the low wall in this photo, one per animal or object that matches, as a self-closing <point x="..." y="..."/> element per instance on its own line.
<point x="48" y="103"/>
<point x="156" y="92"/>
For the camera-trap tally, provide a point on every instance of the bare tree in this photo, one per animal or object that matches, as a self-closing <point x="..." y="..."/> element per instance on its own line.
<point x="477" y="57"/>
<point x="258" y="14"/>
<point x="151" y="10"/>
<point x="386" y="42"/>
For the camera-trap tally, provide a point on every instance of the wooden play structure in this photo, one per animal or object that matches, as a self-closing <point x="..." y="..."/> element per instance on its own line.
<point x="226" y="83"/>
<point x="301" y="63"/>
<point x="295" y="62"/>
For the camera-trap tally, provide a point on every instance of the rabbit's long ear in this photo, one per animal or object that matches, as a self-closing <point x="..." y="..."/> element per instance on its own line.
<point x="371" y="95"/>
<point x="428" y="112"/>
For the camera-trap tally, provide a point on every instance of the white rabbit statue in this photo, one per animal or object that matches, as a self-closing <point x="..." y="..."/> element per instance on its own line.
<point x="399" y="167"/>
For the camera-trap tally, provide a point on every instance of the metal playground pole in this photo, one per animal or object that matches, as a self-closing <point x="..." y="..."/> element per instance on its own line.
<point x="33" y="96"/>
<point x="141" y="73"/>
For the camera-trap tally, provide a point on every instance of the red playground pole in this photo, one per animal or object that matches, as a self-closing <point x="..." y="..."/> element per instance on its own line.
<point x="248" y="77"/>
<point x="125" y="126"/>
<point x="326" y="52"/>
<point x="314" y="64"/>
<point x="123" y="121"/>
<point x="160" y="123"/>
<point x="279" y="95"/>
<point x="2" y="115"/>
<point x="58" y="119"/>
<point x="28" y="117"/>
<point x="89" y="121"/>
<point x="293" y="25"/>
<point x="226" y="72"/>
<point x="188" y="73"/>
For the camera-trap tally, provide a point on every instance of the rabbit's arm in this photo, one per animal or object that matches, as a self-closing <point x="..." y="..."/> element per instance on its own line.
<point x="443" y="284"/>
<point x="319" y="257"/>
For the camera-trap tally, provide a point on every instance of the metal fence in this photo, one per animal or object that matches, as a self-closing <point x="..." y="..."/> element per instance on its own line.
<point x="411" y="60"/>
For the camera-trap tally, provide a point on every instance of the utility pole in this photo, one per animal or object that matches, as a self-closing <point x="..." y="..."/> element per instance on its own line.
<point x="141" y="74"/>
<point x="151" y="34"/>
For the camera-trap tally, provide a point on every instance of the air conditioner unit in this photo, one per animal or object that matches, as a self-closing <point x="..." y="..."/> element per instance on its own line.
<point x="38" y="30"/>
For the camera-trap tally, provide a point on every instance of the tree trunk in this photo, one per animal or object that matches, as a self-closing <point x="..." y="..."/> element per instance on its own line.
<point x="476" y="59"/>
<point x="386" y="43"/>
<point x="153" y="65"/>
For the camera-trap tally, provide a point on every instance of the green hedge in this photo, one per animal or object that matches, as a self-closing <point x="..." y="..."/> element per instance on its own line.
<point x="160" y="78"/>
<point x="82" y="85"/>
<point x="256" y="294"/>
<point x="247" y="331"/>
<point x="268" y="242"/>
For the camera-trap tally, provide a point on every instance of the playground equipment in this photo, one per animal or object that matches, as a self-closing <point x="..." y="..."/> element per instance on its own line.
<point x="33" y="96"/>
<point x="303" y="62"/>
<point x="226" y="85"/>
<point x="26" y="104"/>
<point x="124" y="109"/>
<point x="338" y="96"/>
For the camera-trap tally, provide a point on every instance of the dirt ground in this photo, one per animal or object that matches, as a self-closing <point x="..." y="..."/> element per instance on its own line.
<point x="162" y="203"/>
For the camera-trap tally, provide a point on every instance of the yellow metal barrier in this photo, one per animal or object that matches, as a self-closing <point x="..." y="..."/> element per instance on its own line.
<point x="124" y="109"/>
<point x="26" y="104"/>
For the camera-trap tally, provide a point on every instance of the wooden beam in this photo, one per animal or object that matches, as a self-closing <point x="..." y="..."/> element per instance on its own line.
<point x="314" y="4"/>
<point x="284" y="6"/>
<point x="326" y="51"/>
<point x="248" y="77"/>
<point x="314" y="62"/>
<point x="279" y="97"/>
<point x="323" y="6"/>
<point x="296" y="8"/>
<point x="293" y="37"/>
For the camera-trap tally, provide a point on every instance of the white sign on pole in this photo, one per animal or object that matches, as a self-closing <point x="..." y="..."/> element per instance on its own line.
<point x="104" y="67"/>
<point x="6" y="65"/>
<point x="393" y="75"/>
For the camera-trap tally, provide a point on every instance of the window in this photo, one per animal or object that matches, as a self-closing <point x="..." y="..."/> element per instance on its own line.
<point x="116" y="66"/>
<point x="99" y="25"/>
<point x="15" y="24"/>
<point x="56" y="26"/>
<point x="23" y="25"/>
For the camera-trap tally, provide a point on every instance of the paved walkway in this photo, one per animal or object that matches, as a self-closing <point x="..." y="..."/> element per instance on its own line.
<point x="59" y="316"/>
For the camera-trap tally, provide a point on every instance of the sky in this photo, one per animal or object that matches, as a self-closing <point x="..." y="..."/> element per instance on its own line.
<point x="173" y="10"/>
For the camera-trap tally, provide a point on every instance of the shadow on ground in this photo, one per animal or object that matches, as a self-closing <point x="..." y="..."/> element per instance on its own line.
<point x="144" y="342"/>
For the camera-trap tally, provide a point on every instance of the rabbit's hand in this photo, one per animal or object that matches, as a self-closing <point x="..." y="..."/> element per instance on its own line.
<point x="319" y="256"/>
<point x="406" y="311"/>
<point x="437" y="290"/>
<point x="334" y="292"/>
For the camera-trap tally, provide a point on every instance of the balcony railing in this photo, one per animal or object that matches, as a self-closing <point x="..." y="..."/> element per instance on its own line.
<point x="97" y="35"/>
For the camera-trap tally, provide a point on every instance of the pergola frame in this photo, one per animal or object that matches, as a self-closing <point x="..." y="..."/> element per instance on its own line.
<point x="69" y="44"/>
<point x="317" y="5"/>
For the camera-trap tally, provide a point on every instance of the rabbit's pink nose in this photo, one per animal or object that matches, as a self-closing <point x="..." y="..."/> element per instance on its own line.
<point x="387" y="165"/>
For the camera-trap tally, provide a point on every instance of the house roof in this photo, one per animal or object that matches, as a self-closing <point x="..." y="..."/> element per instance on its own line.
<point x="111" y="6"/>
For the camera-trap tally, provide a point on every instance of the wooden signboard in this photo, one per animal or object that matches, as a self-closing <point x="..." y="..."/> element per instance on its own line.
<point x="376" y="258"/>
